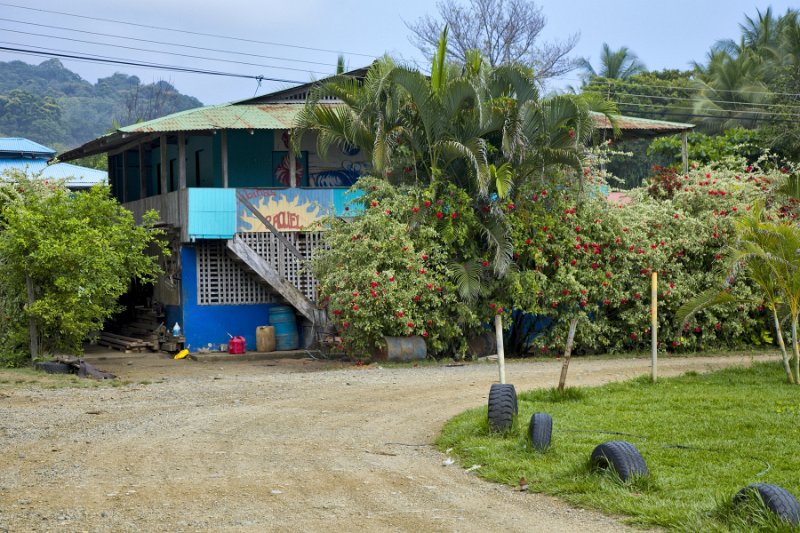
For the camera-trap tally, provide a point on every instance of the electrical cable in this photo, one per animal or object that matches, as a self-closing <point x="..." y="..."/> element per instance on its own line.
<point x="189" y="32"/>
<point x="166" y="53"/>
<point x="157" y="66"/>
<point x="150" y="41"/>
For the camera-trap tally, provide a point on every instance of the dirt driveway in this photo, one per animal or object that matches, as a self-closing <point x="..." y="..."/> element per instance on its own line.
<point x="270" y="446"/>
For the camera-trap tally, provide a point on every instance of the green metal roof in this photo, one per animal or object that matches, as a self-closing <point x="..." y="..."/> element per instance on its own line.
<point x="637" y="127"/>
<point x="221" y="117"/>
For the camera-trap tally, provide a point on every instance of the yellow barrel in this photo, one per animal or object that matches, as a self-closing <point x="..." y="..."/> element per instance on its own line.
<point x="265" y="339"/>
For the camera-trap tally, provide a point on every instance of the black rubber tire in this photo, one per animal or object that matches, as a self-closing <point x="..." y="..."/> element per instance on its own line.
<point x="502" y="406"/>
<point x="622" y="457"/>
<point x="541" y="431"/>
<point x="778" y="500"/>
<point x="53" y="367"/>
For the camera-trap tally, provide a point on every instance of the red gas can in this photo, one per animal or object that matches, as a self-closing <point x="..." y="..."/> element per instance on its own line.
<point x="236" y="345"/>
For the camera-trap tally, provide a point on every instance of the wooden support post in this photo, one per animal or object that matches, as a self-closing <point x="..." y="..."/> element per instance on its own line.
<point x="142" y="175"/>
<point x="501" y="353"/>
<point x="181" y="160"/>
<point x="124" y="194"/>
<point x="292" y="169"/>
<point x="224" y="149"/>
<point x="164" y="164"/>
<point x="32" y="331"/>
<point x="654" y="327"/>
<point x="685" y="152"/>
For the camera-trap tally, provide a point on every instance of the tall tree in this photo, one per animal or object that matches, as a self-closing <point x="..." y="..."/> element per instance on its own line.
<point x="504" y="31"/>
<point x="614" y="64"/>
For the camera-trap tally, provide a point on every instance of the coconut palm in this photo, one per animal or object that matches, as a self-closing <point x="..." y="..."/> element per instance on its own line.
<point x="614" y="64"/>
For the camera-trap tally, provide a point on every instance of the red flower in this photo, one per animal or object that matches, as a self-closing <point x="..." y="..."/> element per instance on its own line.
<point x="583" y="303"/>
<point x="421" y="270"/>
<point x="637" y="296"/>
<point x="355" y="307"/>
<point x="606" y="302"/>
<point x="424" y="333"/>
<point x="697" y="329"/>
<point x="674" y="344"/>
<point x="594" y="266"/>
<point x="492" y="306"/>
<point x="571" y="134"/>
<point x="485" y="264"/>
<point x="634" y="336"/>
<point x="545" y="229"/>
<point x="439" y="214"/>
<point x="427" y="203"/>
<point x="391" y="278"/>
<point x="430" y="286"/>
<point x="345" y="324"/>
<point x="373" y="294"/>
<point x="410" y="324"/>
<point x="415" y="209"/>
<point x="400" y="314"/>
<point x="416" y="298"/>
<point x="499" y="310"/>
<point x="374" y="284"/>
<point x="337" y="312"/>
<point x="374" y="203"/>
<point x="577" y="229"/>
<point x="565" y="292"/>
<point x="528" y="241"/>
<point x="454" y="215"/>
<point x="424" y="257"/>
<point x="608" y="275"/>
<point x="347" y="208"/>
<point x="573" y="262"/>
<point x="388" y="211"/>
<point x="355" y="293"/>
<point x="511" y="207"/>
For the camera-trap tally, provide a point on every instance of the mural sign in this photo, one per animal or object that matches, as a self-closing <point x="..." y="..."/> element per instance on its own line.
<point x="286" y="209"/>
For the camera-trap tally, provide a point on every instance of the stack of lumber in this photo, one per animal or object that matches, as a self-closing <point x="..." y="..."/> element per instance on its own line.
<point x="145" y="325"/>
<point x="127" y="344"/>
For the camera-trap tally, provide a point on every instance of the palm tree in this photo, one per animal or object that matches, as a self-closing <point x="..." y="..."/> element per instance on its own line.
<point x="618" y="65"/>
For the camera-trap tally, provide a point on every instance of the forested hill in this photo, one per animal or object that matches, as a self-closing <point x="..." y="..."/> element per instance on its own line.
<point x="50" y="104"/>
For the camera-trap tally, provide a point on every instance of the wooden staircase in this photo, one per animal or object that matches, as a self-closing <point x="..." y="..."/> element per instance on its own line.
<point x="248" y="257"/>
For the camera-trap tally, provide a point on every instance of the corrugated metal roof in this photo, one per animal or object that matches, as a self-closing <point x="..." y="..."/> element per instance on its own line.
<point x="246" y="116"/>
<point x="76" y="177"/>
<point x="633" y="124"/>
<point x="19" y="145"/>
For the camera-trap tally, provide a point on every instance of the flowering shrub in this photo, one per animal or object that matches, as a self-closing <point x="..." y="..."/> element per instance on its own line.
<point x="385" y="273"/>
<point x="617" y="248"/>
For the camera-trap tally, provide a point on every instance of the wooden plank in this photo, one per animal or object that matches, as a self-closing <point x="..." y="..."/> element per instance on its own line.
<point x="181" y="160"/>
<point x="224" y="158"/>
<point x="164" y="164"/>
<point x="281" y="237"/>
<point x="266" y="271"/>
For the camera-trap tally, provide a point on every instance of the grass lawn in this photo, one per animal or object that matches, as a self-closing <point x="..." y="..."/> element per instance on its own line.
<point x="736" y="427"/>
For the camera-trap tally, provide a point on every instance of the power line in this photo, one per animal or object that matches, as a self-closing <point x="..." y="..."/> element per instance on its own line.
<point x="611" y="82"/>
<point x="666" y="111"/>
<point x="114" y="61"/>
<point x="149" y="41"/>
<point x="165" y="53"/>
<point x="689" y="99"/>
<point x="217" y="36"/>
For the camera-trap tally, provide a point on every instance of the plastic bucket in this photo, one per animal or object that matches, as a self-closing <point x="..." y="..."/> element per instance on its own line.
<point x="283" y="319"/>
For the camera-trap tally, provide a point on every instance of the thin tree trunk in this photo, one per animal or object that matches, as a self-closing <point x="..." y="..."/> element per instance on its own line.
<point x="779" y="333"/>
<point x="32" y="321"/>
<point x="573" y="323"/>
<point x="795" y="350"/>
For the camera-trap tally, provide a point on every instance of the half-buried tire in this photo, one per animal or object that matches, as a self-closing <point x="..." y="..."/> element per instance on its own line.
<point x="621" y="457"/>
<point x="540" y="431"/>
<point x="778" y="500"/>
<point x="502" y="406"/>
<point x="54" y="367"/>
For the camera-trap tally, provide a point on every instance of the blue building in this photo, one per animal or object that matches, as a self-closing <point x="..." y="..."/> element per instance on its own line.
<point x="240" y="211"/>
<point x="27" y="156"/>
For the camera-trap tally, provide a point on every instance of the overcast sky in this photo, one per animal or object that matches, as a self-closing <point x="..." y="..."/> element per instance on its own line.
<point x="308" y="34"/>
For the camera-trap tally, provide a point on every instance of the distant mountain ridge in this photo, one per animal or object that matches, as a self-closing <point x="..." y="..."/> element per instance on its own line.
<point x="50" y="104"/>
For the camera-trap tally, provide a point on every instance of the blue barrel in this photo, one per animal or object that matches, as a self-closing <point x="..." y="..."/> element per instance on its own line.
<point x="283" y="319"/>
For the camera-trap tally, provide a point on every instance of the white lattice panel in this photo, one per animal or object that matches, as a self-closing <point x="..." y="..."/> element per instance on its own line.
<point x="297" y="272"/>
<point x="221" y="280"/>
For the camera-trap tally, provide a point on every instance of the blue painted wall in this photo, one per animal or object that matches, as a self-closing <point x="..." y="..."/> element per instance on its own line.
<point x="212" y="213"/>
<point x="203" y="324"/>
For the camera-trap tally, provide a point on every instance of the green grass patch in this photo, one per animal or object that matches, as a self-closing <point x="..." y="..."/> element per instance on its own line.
<point x="703" y="436"/>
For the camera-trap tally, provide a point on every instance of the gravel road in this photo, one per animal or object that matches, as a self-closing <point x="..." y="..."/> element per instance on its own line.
<point x="271" y="446"/>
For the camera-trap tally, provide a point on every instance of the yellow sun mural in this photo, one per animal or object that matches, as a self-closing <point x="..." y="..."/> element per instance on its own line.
<point x="286" y="210"/>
